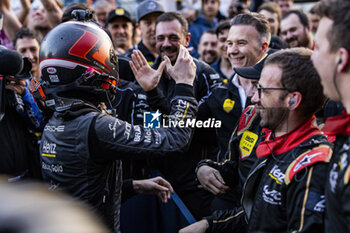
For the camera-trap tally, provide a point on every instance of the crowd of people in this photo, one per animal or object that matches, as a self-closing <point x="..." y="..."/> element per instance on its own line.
<point x="237" y="121"/>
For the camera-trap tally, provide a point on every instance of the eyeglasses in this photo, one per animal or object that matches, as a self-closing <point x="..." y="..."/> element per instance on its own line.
<point x="260" y="89"/>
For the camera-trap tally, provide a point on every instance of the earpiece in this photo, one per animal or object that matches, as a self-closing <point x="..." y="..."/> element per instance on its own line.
<point x="292" y="101"/>
<point x="340" y="61"/>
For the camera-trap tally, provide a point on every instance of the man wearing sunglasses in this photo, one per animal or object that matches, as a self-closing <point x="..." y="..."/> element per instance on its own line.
<point x="284" y="190"/>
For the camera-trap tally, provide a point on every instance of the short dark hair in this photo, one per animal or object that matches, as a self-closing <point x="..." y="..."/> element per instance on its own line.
<point x="67" y="12"/>
<point x="271" y="7"/>
<point x="338" y="11"/>
<point x="170" y="16"/>
<point x="23" y="33"/>
<point x="299" y="74"/>
<point x="223" y="25"/>
<point x="256" y="20"/>
<point x="314" y="9"/>
<point x="210" y="31"/>
<point x="304" y="20"/>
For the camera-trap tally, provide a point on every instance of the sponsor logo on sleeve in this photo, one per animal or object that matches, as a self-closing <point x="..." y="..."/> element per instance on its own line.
<point x="247" y="143"/>
<point x="228" y="105"/>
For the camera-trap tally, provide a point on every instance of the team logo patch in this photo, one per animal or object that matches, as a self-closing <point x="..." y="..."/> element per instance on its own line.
<point x="151" y="120"/>
<point x="228" y="105"/>
<point x="319" y="154"/>
<point x="246" y="117"/>
<point x="247" y="143"/>
<point x="119" y="11"/>
<point x="51" y="70"/>
<point x="151" y="6"/>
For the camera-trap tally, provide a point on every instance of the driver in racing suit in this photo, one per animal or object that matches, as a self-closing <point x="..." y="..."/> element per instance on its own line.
<point x="81" y="146"/>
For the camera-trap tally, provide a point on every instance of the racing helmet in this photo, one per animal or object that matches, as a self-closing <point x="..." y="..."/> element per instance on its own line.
<point x="78" y="58"/>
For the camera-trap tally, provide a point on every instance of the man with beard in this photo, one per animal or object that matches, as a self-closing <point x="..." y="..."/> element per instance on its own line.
<point x="147" y="13"/>
<point x="247" y="43"/>
<point x="295" y="30"/>
<point x="331" y="59"/>
<point x="207" y="47"/>
<point x="171" y="33"/>
<point x="28" y="46"/>
<point x="284" y="190"/>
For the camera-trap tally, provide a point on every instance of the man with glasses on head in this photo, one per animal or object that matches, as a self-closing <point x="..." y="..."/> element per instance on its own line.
<point x="284" y="191"/>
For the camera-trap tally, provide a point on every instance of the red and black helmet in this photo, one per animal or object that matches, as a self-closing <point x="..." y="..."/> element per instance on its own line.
<point x="79" y="56"/>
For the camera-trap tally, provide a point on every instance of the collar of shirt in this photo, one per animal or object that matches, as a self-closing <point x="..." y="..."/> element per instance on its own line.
<point x="241" y="91"/>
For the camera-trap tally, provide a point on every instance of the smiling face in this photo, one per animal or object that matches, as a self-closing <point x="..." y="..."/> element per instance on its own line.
<point x="271" y="105"/>
<point x="244" y="47"/>
<point x="294" y="33"/>
<point x="37" y="19"/>
<point x="222" y="46"/>
<point x="29" y="47"/>
<point x="207" y="48"/>
<point x="147" y="28"/>
<point x="121" y="30"/>
<point x="169" y="37"/>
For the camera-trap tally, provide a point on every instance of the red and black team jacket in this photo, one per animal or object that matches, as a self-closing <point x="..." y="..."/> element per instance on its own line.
<point x="284" y="191"/>
<point x="337" y="187"/>
<point x="240" y="155"/>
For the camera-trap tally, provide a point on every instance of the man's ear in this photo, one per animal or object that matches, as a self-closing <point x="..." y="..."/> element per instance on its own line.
<point x="343" y="60"/>
<point x="188" y="38"/>
<point x="294" y="100"/>
<point x="265" y="47"/>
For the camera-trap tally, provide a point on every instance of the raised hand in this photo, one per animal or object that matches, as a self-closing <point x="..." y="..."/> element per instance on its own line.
<point x="4" y="5"/>
<point x="184" y="69"/>
<point x="211" y="180"/>
<point x="147" y="77"/>
<point x="15" y="84"/>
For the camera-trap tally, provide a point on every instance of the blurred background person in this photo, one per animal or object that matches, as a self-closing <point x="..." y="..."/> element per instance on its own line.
<point x="28" y="46"/>
<point x="207" y="47"/>
<point x="285" y="5"/>
<point x="121" y="27"/>
<point x="102" y="8"/>
<point x="207" y="19"/>
<point x="30" y="207"/>
<point x="295" y="30"/>
<point x="272" y="12"/>
<point x="147" y="13"/>
<point x="314" y="18"/>
<point x="41" y="18"/>
<point x="237" y="7"/>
